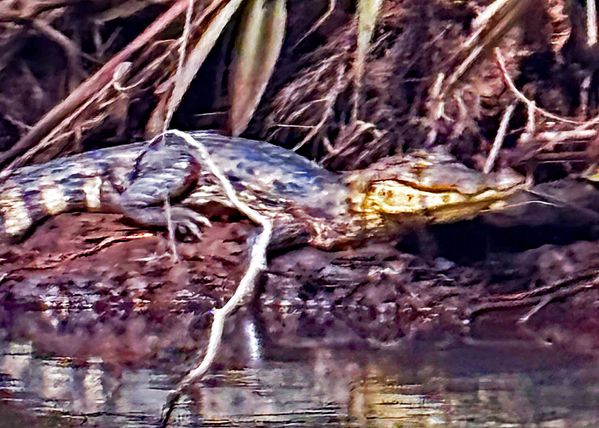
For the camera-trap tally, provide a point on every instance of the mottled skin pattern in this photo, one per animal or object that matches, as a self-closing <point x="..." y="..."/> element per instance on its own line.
<point x="307" y="203"/>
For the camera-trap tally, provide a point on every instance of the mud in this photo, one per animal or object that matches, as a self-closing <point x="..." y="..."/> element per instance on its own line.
<point x="89" y="278"/>
<point x="98" y="321"/>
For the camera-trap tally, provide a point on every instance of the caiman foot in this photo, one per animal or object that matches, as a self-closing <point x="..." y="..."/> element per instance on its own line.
<point x="186" y="221"/>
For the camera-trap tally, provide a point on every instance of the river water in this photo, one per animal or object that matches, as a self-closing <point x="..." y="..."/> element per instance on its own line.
<point x="313" y="384"/>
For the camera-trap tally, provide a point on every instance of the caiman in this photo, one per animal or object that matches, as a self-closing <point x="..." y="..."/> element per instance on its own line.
<point x="307" y="203"/>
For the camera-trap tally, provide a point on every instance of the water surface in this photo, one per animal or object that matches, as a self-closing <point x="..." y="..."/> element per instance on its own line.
<point x="262" y="384"/>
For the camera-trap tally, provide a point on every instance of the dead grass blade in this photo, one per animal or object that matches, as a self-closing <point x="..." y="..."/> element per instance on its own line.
<point x="215" y="25"/>
<point x="368" y="12"/>
<point x="125" y="9"/>
<point x="257" y="49"/>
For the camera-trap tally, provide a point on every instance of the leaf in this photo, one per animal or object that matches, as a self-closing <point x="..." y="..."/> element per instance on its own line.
<point x="193" y="62"/>
<point x="368" y="12"/>
<point x="257" y="49"/>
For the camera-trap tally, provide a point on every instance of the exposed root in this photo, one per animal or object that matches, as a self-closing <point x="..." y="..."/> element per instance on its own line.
<point x="490" y="27"/>
<point x="328" y="104"/>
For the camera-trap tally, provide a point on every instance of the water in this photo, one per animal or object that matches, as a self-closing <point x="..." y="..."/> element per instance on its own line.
<point x="259" y="383"/>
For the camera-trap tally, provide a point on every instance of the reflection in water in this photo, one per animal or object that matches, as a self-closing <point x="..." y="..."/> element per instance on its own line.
<point x="315" y="387"/>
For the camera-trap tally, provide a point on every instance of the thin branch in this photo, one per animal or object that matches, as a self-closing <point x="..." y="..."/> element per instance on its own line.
<point x="331" y="99"/>
<point x="562" y="289"/>
<point x="317" y="24"/>
<point x="529" y="103"/>
<point x="37" y="8"/>
<point x="72" y="52"/>
<point x="173" y="102"/>
<point x="246" y="285"/>
<point x="501" y="132"/>
<point x="591" y="23"/>
<point x="171" y="231"/>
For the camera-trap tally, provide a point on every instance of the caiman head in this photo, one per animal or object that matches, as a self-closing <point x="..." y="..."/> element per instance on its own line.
<point x="428" y="187"/>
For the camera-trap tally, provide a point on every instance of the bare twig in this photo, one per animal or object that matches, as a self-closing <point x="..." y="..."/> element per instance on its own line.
<point x="72" y="52"/>
<point x="173" y="103"/>
<point x="544" y="302"/>
<point x="591" y="22"/>
<point x="585" y="85"/>
<point x="37" y="8"/>
<point x="317" y="24"/>
<point x="368" y="12"/>
<point x="498" y="142"/>
<point x="49" y="139"/>
<point x="490" y="27"/>
<point x="171" y="231"/>
<point x="568" y="135"/>
<point x="529" y="103"/>
<point x="531" y="124"/>
<point x="246" y="285"/>
<point x="331" y="99"/>
<point x="536" y="297"/>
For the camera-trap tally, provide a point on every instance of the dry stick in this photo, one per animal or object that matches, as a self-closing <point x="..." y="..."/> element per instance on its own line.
<point x="591" y="40"/>
<point x="246" y="285"/>
<point x="92" y="85"/>
<point x="529" y="103"/>
<point x="71" y="51"/>
<point x="36" y="9"/>
<point x="560" y="292"/>
<point x="173" y="102"/>
<point x="591" y="22"/>
<point x="172" y="105"/>
<point x="171" y="230"/>
<point x="574" y="134"/>
<point x="526" y="317"/>
<point x="317" y="24"/>
<point x="567" y="204"/>
<point x="329" y="105"/>
<point x="505" y="121"/>
<point x="531" y="124"/>
<point x="486" y="34"/>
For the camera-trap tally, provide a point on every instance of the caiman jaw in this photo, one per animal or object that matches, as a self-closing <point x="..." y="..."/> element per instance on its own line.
<point x="404" y="201"/>
<point x="435" y="198"/>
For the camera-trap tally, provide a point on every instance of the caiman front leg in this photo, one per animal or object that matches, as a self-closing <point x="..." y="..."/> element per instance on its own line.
<point x="161" y="175"/>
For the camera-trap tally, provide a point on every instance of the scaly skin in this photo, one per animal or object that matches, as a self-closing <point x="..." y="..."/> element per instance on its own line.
<point x="307" y="203"/>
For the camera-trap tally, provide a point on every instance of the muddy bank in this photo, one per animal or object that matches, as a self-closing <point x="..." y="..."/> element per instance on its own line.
<point x="89" y="278"/>
<point x="98" y="322"/>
